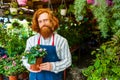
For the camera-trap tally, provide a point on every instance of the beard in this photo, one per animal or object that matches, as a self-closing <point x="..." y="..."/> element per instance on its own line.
<point x="46" y="31"/>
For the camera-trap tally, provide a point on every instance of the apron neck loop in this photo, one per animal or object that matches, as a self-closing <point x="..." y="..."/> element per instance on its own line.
<point x="52" y="40"/>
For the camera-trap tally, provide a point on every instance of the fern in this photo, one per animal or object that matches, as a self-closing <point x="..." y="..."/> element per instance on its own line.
<point x="108" y="17"/>
<point x="80" y="9"/>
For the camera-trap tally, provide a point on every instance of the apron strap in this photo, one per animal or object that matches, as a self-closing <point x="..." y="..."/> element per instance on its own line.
<point x="52" y="40"/>
<point x="39" y="40"/>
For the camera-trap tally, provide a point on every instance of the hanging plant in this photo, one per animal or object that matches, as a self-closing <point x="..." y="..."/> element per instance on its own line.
<point x="63" y="8"/>
<point x="13" y="4"/>
<point x="106" y="66"/>
<point x="80" y="9"/>
<point x="13" y="7"/>
<point x="101" y="10"/>
<point x="107" y="63"/>
<point x="63" y="12"/>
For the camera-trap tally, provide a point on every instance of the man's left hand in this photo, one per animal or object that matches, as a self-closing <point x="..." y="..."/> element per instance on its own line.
<point x="46" y="66"/>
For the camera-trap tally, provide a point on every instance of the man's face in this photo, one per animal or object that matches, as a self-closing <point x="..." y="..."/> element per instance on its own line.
<point x="45" y="25"/>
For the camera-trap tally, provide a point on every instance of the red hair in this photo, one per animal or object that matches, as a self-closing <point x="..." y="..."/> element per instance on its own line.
<point x="54" y="20"/>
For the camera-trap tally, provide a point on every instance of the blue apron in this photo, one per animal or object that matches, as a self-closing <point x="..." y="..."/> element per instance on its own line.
<point x="50" y="57"/>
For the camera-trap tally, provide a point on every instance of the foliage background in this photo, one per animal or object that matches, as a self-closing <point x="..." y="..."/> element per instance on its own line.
<point x="106" y="64"/>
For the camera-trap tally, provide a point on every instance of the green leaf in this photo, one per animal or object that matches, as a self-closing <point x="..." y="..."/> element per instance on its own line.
<point x="97" y="63"/>
<point x="32" y="60"/>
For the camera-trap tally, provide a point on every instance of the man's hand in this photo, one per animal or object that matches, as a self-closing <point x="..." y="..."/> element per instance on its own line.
<point x="46" y="66"/>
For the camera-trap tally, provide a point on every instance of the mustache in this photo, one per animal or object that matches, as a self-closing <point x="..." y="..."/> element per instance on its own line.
<point x="47" y="27"/>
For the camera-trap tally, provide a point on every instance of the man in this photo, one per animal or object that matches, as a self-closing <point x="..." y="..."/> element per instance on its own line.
<point x="58" y="56"/>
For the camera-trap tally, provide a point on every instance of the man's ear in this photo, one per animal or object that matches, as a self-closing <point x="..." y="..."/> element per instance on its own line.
<point x="52" y="28"/>
<point x="55" y="23"/>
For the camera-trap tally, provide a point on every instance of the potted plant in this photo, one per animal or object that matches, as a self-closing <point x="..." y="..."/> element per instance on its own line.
<point x="14" y="39"/>
<point x="34" y="56"/>
<point x="13" y="66"/>
<point x="63" y="9"/>
<point x="13" y="7"/>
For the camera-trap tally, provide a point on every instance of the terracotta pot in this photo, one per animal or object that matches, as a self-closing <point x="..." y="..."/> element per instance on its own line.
<point x="1" y="77"/>
<point x="24" y="75"/>
<point x="13" y="77"/>
<point x="35" y="67"/>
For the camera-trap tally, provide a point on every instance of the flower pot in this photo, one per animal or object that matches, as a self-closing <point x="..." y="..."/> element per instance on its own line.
<point x="13" y="77"/>
<point x="1" y="77"/>
<point x="63" y="12"/>
<point x="24" y="76"/>
<point x="13" y="11"/>
<point x="35" y="67"/>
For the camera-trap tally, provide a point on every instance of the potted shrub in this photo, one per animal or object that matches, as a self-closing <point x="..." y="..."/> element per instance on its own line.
<point x="35" y="56"/>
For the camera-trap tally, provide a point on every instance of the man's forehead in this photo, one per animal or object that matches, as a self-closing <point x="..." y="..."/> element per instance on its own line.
<point x="43" y="16"/>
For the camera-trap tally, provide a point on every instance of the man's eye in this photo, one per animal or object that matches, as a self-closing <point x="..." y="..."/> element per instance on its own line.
<point x="39" y="21"/>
